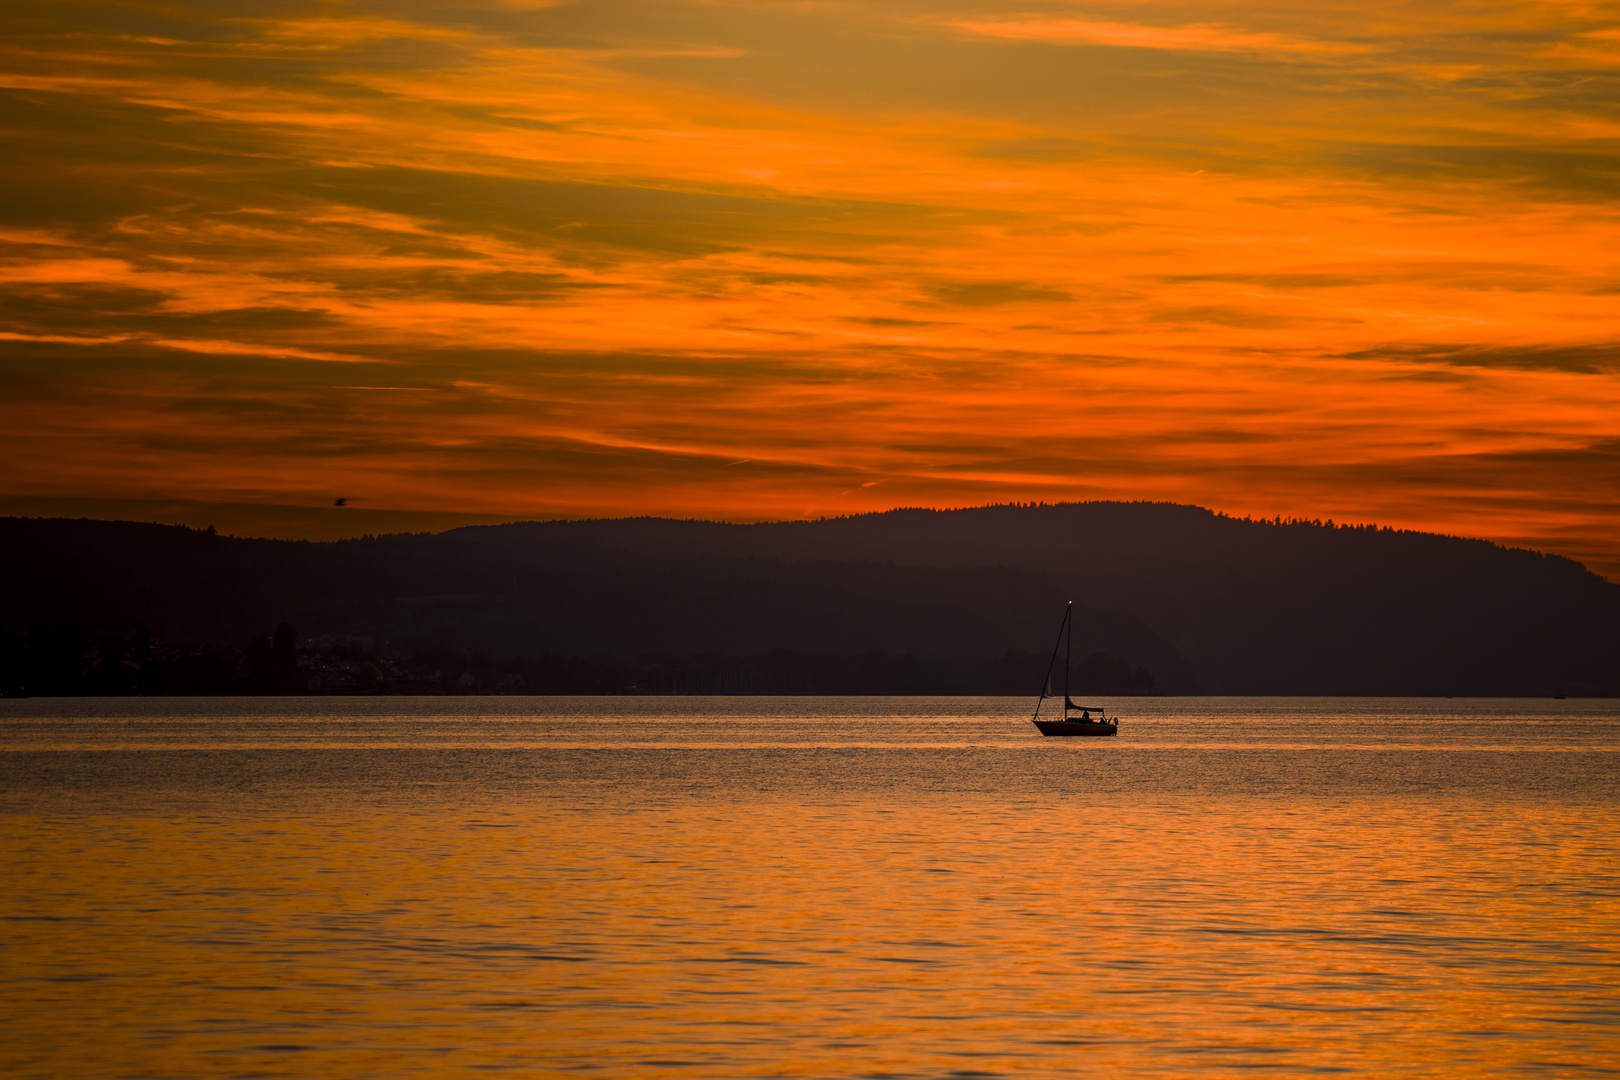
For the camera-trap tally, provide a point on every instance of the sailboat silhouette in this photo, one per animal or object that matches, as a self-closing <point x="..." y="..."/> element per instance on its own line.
<point x="1085" y="725"/>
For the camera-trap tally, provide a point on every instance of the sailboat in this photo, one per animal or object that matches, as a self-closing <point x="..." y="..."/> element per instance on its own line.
<point x="1086" y="724"/>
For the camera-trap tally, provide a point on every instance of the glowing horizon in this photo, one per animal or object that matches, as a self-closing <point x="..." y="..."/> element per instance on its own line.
<point x="781" y="260"/>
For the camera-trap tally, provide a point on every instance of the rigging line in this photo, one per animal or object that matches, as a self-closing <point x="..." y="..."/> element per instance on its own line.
<point x="1052" y="662"/>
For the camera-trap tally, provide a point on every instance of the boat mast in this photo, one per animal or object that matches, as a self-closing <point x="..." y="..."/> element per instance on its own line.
<point x="1068" y="648"/>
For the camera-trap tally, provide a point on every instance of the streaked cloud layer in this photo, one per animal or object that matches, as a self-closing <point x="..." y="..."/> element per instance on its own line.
<point x="760" y="260"/>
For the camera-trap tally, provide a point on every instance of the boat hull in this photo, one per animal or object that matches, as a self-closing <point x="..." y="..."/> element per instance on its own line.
<point x="1075" y="727"/>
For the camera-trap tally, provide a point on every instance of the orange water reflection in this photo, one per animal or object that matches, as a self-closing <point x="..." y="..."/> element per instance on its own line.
<point x="762" y="936"/>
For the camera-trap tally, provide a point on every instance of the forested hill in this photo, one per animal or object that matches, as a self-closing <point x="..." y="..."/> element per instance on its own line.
<point x="1253" y="606"/>
<point x="682" y="621"/>
<point x="1198" y="600"/>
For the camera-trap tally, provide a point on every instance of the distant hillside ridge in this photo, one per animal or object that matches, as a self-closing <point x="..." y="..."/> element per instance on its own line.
<point x="1275" y="607"/>
<point x="1202" y="601"/>
<point x="513" y="592"/>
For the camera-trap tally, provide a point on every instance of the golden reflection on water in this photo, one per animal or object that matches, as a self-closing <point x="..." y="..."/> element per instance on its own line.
<point x="803" y="937"/>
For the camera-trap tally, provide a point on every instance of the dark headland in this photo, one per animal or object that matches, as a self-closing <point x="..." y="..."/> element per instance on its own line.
<point x="1171" y="599"/>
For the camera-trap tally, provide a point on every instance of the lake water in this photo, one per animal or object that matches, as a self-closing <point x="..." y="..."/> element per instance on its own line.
<point x="874" y="887"/>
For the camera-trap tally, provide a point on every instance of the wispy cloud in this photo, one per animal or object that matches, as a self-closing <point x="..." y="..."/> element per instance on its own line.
<point x="740" y="260"/>
<point x="242" y="348"/>
<point x="1195" y="37"/>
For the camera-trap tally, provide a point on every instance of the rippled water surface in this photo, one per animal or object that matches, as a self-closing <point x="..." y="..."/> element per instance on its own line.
<point x="746" y="887"/>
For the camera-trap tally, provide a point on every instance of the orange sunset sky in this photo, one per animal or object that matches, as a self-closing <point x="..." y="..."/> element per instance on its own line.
<point x="780" y="259"/>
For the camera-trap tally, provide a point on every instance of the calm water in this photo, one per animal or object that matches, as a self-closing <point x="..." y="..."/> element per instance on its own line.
<point x="807" y="887"/>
